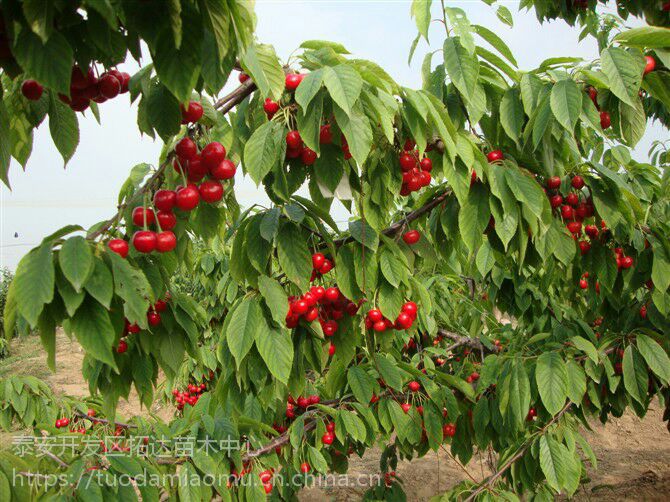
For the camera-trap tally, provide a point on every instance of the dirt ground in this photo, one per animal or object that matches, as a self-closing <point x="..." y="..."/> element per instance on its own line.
<point x="633" y="455"/>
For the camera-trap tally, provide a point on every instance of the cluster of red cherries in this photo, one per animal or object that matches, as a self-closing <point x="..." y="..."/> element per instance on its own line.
<point x="573" y="209"/>
<point x="294" y="406"/>
<point x="328" y="305"/>
<point x="295" y="148"/>
<point x="375" y="319"/>
<point x="64" y="422"/>
<point x="415" y="171"/>
<point x="84" y="88"/>
<point x="190" y="395"/>
<point x="153" y="318"/>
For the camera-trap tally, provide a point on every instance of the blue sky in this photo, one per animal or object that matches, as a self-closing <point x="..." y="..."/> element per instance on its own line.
<point x="45" y="197"/>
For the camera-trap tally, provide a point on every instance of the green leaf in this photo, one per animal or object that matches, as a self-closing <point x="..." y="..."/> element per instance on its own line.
<point x="132" y="286"/>
<point x="262" y="150"/>
<point x="623" y="73"/>
<point x="512" y="116"/>
<point x="656" y="357"/>
<point x="389" y="372"/>
<point x="647" y="37"/>
<point x="39" y="15"/>
<point x="260" y="62"/>
<point x="552" y="381"/>
<point x="100" y="284"/>
<point x="275" y="298"/>
<point x="344" y="85"/>
<point x="496" y="42"/>
<point x="635" y="374"/>
<point x="276" y="348"/>
<point x="94" y="331"/>
<point x="421" y="13"/>
<point x="49" y="63"/>
<point x="320" y="44"/>
<point x="357" y="131"/>
<point x="364" y="234"/>
<point x="566" y="103"/>
<point x="505" y="15"/>
<point x="163" y="111"/>
<point x="178" y="68"/>
<point x="585" y="346"/>
<point x="64" y="127"/>
<point x="34" y="282"/>
<point x="76" y="261"/>
<point x="270" y="224"/>
<point x="294" y="256"/>
<point x="462" y="67"/>
<point x="515" y="397"/>
<point x="576" y="382"/>
<point x="308" y="88"/>
<point x="245" y="323"/>
<point x="552" y="462"/>
<point x="362" y="384"/>
<point x="474" y="216"/>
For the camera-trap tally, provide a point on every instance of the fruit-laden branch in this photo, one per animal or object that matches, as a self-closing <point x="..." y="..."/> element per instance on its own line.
<point x="492" y="479"/>
<point x="224" y="105"/>
<point x="396" y="227"/>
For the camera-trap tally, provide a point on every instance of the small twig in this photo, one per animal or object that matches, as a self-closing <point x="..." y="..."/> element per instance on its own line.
<point x="461" y="341"/>
<point x="104" y="421"/>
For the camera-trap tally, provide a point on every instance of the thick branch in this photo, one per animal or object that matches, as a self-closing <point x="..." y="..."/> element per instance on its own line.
<point x="410" y="217"/>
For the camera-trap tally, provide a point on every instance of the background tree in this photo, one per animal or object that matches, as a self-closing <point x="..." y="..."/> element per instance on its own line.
<point x="491" y="193"/>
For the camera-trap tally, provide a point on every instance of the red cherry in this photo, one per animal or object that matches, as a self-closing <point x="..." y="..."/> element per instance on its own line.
<point x="186" y="149"/>
<point x="325" y="136"/>
<point x="593" y="95"/>
<point x="414" y="184"/>
<point x="494" y="155"/>
<point x="572" y="199"/>
<point x="293" y="140"/>
<point x="211" y="191"/>
<point x="332" y="294"/>
<point x="165" y="200"/>
<point x="292" y="81"/>
<point x="270" y="107"/>
<point x="591" y="231"/>
<point x="125" y="81"/>
<point x="379" y="326"/>
<point x="643" y="312"/>
<point x="583" y="284"/>
<point x="553" y="183"/>
<point x="144" y="241"/>
<point x="375" y="315"/>
<point x="308" y="156"/>
<point x="317" y="260"/>
<point x="556" y="201"/>
<point x="153" y="318"/>
<point x="160" y="305"/>
<point x="407" y="161"/>
<point x="80" y="81"/>
<point x="331" y="350"/>
<point x="32" y="90"/>
<point x="574" y="227"/>
<point x="109" y="86"/>
<point x="300" y="307"/>
<point x="426" y="164"/>
<point x="329" y="328"/>
<point x="567" y="212"/>
<point x="406" y="407"/>
<point x="410" y="308"/>
<point x="326" y="267"/>
<point x="80" y="104"/>
<point x="650" y="64"/>
<point x="317" y="292"/>
<point x="626" y="262"/>
<point x="166" y="219"/>
<point x="312" y="314"/>
<point x="242" y="77"/>
<point x="267" y="488"/>
<point x="121" y="348"/>
<point x="577" y="182"/>
<point x="118" y="246"/>
<point x="305" y="468"/>
<point x="404" y="321"/>
<point x="192" y="113"/>
<point x="140" y="214"/>
<point x="424" y="178"/>
<point x="584" y="247"/>
<point x="225" y="170"/>
<point x="411" y="237"/>
<point x="188" y="198"/>
<point x="414" y="386"/>
<point x="605" y="120"/>
<point x="166" y="241"/>
<point x="212" y="155"/>
<point x="327" y="438"/>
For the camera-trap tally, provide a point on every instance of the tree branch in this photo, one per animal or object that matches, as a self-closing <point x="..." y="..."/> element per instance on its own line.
<point x="104" y="421"/>
<point x="465" y="341"/>
<point x="492" y="479"/>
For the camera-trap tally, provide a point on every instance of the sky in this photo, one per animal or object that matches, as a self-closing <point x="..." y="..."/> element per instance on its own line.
<point x="46" y="197"/>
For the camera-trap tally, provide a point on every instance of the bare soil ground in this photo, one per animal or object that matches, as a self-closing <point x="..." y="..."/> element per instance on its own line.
<point x="633" y="455"/>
